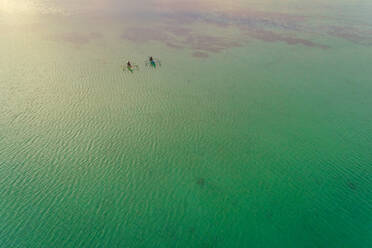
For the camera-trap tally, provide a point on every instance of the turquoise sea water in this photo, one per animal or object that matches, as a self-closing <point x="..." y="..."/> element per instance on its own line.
<point x="256" y="131"/>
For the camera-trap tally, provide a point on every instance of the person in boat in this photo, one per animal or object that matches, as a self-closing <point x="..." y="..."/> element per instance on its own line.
<point x="152" y="62"/>
<point x="129" y="66"/>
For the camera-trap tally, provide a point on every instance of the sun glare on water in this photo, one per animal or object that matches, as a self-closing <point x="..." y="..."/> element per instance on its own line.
<point x="16" y="6"/>
<point x="29" y="7"/>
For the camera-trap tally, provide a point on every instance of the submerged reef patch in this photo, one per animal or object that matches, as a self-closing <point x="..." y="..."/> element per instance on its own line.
<point x="76" y="38"/>
<point x="181" y="29"/>
<point x="351" y="185"/>
<point x="203" y="28"/>
<point x="200" y="55"/>
<point x="270" y="36"/>
<point x="200" y="182"/>
<point x="352" y="34"/>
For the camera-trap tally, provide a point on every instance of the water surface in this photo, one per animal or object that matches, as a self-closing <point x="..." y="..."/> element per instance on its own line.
<point x="255" y="132"/>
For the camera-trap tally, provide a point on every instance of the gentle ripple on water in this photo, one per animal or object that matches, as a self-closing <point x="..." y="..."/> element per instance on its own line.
<point x="192" y="154"/>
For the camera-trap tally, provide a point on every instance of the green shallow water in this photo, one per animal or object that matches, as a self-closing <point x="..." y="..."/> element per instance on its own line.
<point x="255" y="132"/>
